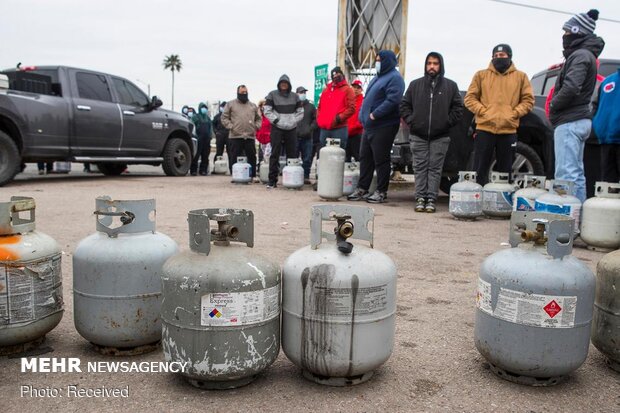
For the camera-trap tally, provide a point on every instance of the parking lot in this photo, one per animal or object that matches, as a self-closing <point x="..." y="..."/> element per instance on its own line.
<point x="434" y="366"/>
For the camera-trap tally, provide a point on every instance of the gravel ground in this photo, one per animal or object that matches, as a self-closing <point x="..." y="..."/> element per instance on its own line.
<point x="434" y="366"/>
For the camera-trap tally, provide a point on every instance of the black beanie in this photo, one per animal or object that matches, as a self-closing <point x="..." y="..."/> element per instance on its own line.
<point x="503" y="47"/>
<point x="337" y="69"/>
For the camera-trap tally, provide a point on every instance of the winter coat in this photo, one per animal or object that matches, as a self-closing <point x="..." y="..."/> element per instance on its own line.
<point x="242" y="119"/>
<point x="383" y="95"/>
<point x="307" y="125"/>
<point x="576" y="82"/>
<point x="264" y="133"/>
<point x="606" y="121"/>
<point x="354" y="126"/>
<point x="284" y="109"/>
<point x="202" y="123"/>
<point x="218" y="127"/>
<point x="431" y="106"/>
<point x="499" y="100"/>
<point x="336" y="105"/>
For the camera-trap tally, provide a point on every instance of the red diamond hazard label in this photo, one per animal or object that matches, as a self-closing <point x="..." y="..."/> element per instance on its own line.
<point x="552" y="308"/>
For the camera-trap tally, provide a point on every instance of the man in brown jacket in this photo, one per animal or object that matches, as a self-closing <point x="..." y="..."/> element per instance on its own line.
<point x="498" y="97"/>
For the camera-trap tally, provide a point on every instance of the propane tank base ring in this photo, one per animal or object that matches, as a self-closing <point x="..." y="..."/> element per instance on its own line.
<point x="338" y="381"/>
<point x="126" y="351"/>
<point x="466" y="219"/>
<point x="21" y="348"/>
<point x="221" y="385"/>
<point x="527" y="380"/>
<point x="599" y="249"/>
<point x="613" y="364"/>
<point x="497" y="217"/>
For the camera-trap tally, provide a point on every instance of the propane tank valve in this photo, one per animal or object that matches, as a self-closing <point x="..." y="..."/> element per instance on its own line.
<point x="344" y="230"/>
<point x="537" y="236"/>
<point x="224" y="230"/>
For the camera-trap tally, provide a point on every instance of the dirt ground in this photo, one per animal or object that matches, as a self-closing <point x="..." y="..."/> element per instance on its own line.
<point x="434" y="366"/>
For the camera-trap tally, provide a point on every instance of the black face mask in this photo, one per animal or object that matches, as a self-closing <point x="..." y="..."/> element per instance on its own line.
<point x="243" y="97"/>
<point x="568" y="39"/>
<point x="501" y="64"/>
<point x="337" y="78"/>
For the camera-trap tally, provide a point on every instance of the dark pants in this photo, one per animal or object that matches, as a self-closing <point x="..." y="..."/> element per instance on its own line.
<point x="353" y="147"/>
<point x="221" y="141"/>
<point x="485" y="145"/>
<point x="610" y="162"/>
<point x="375" y="156"/>
<point x="203" y="152"/>
<point x="304" y="147"/>
<point x="281" y="138"/>
<point x="242" y="147"/>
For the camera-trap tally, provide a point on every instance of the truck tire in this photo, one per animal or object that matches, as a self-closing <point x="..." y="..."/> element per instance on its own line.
<point x="526" y="162"/>
<point x="111" y="169"/>
<point x="10" y="160"/>
<point x="177" y="157"/>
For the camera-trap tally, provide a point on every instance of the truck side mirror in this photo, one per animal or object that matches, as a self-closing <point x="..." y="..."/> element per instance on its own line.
<point x="156" y="102"/>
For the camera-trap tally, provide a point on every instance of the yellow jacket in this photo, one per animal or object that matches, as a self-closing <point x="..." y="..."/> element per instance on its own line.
<point x="499" y="100"/>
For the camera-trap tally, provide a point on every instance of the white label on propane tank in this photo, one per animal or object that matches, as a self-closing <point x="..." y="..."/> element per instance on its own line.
<point x="238" y="309"/>
<point x="336" y="158"/>
<point x="483" y="298"/>
<point x="338" y="302"/>
<point x="549" y="311"/>
<point x="465" y="196"/>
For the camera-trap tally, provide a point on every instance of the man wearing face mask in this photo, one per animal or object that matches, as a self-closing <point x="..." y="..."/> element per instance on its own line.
<point x="221" y="133"/>
<point x="354" y="127"/>
<point x="336" y="106"/>
<point x="202" y="124"/>
<point x="570" y="110"/>
<point x="242" y="118"/>
<point x="498" y="97"/>
<point x="305" y="129"/>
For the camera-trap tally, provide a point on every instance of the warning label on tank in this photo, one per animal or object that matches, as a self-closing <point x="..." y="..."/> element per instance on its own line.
<point x="30" y="292"/>
<point x="456" y="196"/>
<point x="343" y="302"/>
<point x="497" y="201"/>
<point x="238" y="309"/>
<point x="536" y="310"/>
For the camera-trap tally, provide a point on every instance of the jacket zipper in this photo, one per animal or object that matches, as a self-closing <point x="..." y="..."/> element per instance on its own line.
<point x="430" y="112"/>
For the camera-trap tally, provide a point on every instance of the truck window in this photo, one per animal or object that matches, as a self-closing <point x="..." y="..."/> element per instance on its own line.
<point x="129" y="94"/>
<point x="537" y="84"/>
<point x="93" y="86"/>
<point x="607" y="69"/>
<point x="53" y="74"/>
<point x="549" y="84"/>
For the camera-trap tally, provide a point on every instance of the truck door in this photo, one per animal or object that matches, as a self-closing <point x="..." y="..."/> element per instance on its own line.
<point x="96" y="118"/>
<point x="144" y="130"/>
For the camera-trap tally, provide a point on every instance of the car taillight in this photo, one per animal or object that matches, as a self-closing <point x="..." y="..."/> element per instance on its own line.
<point x="27" y="68"/>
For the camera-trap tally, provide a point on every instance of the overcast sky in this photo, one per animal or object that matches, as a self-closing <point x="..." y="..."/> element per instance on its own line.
<point x="223" y="43"/>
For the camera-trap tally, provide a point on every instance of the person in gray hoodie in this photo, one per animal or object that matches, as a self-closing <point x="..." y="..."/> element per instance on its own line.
<point x="284" y="110"/>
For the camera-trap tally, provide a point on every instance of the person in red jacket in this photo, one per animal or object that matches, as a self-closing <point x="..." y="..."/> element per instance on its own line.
<point x="355" y="127"/>
<point x="336" y="105"/>
<point x="263" y="135"/>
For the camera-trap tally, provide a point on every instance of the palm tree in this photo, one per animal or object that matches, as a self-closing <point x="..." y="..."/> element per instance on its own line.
<point x="173" y="62"/>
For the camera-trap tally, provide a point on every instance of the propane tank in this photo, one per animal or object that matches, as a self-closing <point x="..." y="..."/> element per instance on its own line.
<point x="241" y="171"/>
<point x="606" y="321"/>
<point x="525" y="198"/>
<point x="331" y="171"/>
<point x="281" y="163"/>
<point x="560" y="200"/>
<point x="293" y="174"/>
<point x="466" y="197"/>
<point x="263" y="172"/>
<point x="31" y="303"/>
<point x="497" y="196"/>
<point x="600" y="227"/>
<point x="534" y="303"/>
<point x="339" y="300"/>
<point x="221" y="303"/>
<point x="220" y="166"/>
<point x="62" y="167"/>
<point x="117" y="278"/>
<point x="350" y="178"/>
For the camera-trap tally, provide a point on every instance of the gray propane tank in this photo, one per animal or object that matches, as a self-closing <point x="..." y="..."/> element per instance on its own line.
<point x="117" y="278"/>
<point x="263" y="173"/>
<point x="560" y="200"/>
<point x="31" y="303"/>
<point x="350" y="178"/>
<point x="339" y="300"/>
<point x="466" y="197"/>
<point x="497" y="196"/>
<point x="293" y="174"/>
<point x="525" y="198"/>
<point x="606" y="322"/>
<point x="600" y="226"/>
<point x="331" y="170"/>
<point x="221" y="303"/>
<point x="220" y="166"/>
<point x="241" y="171"/>
<point x="534" y="303"/>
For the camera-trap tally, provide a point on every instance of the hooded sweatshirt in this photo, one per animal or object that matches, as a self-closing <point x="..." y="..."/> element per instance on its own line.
<point x="383" y="95"/>
<point x="606" y="122"/>
<point x="202" y="122"/>
<point x="336" y="105"/>
<point x="283" y="108"/>
<point x="576" y="82"/>
<point x="431" y="106"/>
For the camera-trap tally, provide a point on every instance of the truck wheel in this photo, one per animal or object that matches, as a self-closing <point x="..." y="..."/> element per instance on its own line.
<point x="111" y="169"/>
<point x="526" y="162"/>
<point x="10" y="160"/>
<point x="177" y="157"/>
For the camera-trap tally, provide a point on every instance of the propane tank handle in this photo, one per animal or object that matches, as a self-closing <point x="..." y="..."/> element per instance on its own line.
<point x="134" y="215"/>
<point x="607" y="190"/>
<point x="557" y="232"/>
<point x="199" y="220"/>
<point x="10" y="220"/>
<point x="360" y="217"/>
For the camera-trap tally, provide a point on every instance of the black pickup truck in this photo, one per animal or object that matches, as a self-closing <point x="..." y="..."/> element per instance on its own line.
<point x="59" y="113"/>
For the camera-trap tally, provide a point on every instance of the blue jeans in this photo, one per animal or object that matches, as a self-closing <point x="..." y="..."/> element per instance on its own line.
<point x="304" y="147"/>
<point x="569" y="140"/>
<point x="340" y="133"/>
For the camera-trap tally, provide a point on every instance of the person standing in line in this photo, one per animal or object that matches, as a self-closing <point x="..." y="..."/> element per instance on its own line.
<point x="570" y="112"/>
<point x="284" y="110"/>
<point x="305" y="130"/>
<point x="498" y="96"/>
<point x="606" y="125"/>
<point x="354" y="127"/>
<point x="380" y="119"/>
<point x="263" y="136"/>
<point x="202" y="124"/>
<point x="241" y="117"/>
<point x="431" y="106"/>
<point x="336" y="106"/>
<point x="221" y="133"/>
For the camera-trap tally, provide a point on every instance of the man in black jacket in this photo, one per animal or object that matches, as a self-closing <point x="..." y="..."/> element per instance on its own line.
<point x="431" y="106"/>
<point x="221" y="133"/>
<point x="305" y="128"/>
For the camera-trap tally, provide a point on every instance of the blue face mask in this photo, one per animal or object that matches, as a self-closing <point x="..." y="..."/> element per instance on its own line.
<point x="302" y="97"/>
<point x="204" y="111"/>
<point x="378" y="67"/>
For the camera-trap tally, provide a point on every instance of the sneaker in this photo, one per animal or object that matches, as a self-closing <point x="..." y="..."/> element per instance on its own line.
<point x="377" y="198"/>
<point x="307" y="181"/>
<point x="358" y="195"/>
<point x="41" y="172"/>
<point x="420" y="205"/>
<point x="271" y="185"/>
<point x="193" y="173"/>
<point x="203" y="173"/>
<point x="430" y="206"/>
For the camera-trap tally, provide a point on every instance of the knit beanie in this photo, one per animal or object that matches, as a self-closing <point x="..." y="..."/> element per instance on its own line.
<point x="582" y="23"/>
<point x="503" y="47"/>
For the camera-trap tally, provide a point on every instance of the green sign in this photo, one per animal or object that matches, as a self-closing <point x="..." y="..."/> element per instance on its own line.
<point x="320" y="81"/>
